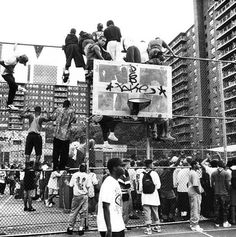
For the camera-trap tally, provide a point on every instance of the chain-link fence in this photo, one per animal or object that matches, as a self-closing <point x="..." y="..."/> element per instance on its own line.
<point x="204" y="109"/>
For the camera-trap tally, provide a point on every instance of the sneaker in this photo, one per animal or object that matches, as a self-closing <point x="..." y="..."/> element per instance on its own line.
<point x="226" y="224"/>
<point x="69" y="231"/>
<point x="217" y="225"/>
<point x="39" y="200"/>
<point x="196" y="228"/>
<point x="106" y="145"/>
<point x="20" y="88"/>
<point x="46" y="203"/>
<point x="50" y="204"/>
<point x="148" y="231"/>
<point x="112" y="137"/>
<point x="12" y="107"/>
<point x="157" y="228"/>
<point x="31" y="209"/>
<point x="168" y="137"/>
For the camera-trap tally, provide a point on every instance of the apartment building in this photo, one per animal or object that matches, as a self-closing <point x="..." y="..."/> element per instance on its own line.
<point x="49" y="97"/>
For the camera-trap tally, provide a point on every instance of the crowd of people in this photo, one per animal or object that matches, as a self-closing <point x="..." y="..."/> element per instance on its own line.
<point x="180" y="188"/>
<point x="166" y="190"/>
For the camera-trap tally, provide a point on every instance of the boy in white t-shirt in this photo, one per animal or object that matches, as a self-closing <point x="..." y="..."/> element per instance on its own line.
<point x="53" y="187"/>
<point x="109" y="219"/>
<point x="80" y="183"/>
<point x="150" y="200"/>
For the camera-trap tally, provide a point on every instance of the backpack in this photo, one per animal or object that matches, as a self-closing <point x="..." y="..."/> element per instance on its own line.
<point x="148" y="185"/>
<point x="233" y="179"/>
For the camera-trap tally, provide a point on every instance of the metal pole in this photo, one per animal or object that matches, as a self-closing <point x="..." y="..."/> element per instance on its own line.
<point x="88" y="122"/>
<point x="223" y="111"/>
<point x="148" y="143"/>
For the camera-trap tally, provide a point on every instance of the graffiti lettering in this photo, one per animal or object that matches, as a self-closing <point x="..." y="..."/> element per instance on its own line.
<point x="132" y="75"/>
<point x="162" y="91"/>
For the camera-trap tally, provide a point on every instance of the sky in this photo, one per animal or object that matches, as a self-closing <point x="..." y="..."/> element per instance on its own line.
<point x="48" y="21"/>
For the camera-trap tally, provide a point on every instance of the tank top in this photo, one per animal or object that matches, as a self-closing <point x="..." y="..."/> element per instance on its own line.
<point x="34" y="126"/>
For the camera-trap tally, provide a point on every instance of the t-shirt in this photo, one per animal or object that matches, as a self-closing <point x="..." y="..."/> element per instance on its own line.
<point x="110" y="192"/>
<point x="220" y="181"/>
<point x="182" y="180"/>
<point x="81" y="183"/>
<point x="112" y="33"/>
<point x="153" y="198"/>
<point x="10" y="63"/>
<point x="53" y="181"/>
<point x="138" y="173"/>
<point x="194" y="181"/>
<point x="132" y="175"/>
<point x="2" y="176"/>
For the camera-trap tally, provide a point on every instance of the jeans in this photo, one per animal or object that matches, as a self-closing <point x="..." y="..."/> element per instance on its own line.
<point x="195" y="208"/>
<point x="222" y="204"/>
<point x="107" y="125"/>
<point x="60" y="150"/>
<point x="79" y="206"/>
<point x="114" y="48"/>
<point x="151" y="214"/>
<point x="9" y="78"/>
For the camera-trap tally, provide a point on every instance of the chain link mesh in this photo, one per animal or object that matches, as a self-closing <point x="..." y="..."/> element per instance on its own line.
<point x="204" y="112"/>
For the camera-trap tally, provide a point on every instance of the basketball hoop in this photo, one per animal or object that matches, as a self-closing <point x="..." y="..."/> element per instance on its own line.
<point x="137" y="104"/>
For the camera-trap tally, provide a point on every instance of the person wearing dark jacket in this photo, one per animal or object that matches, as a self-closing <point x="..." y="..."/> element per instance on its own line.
<point x="113" y="36"/>
<point x="72" y="51"/>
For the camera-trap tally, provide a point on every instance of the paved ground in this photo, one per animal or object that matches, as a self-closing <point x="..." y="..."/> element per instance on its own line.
<point x="169" y="231"/>
<point x="15" y="222"/>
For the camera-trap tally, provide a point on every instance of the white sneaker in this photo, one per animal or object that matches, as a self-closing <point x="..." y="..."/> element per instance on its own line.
<point x="217" y="225"/>
<point x="46" y="203"/>
<point x="20" y="88"/>
<point x="226" y="224"/>
<point x="106" y="145"/>
<point x="112" y="137"/>
<point x="157" y="229"/>
<point x="148" y="231"/>
<point x="196" y="228"/>
<point x="50" y="205"/>
<point x="39" y="200"/>
<point x="12" y="107"/>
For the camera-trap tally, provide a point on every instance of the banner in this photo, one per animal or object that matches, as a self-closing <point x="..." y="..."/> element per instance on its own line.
<point x="114" y="83"/>
<point x="38" y="50"/>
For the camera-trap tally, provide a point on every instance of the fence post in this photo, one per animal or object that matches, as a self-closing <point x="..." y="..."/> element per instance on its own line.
<point x="88" y="95"/>
<point x="223" y="111"/>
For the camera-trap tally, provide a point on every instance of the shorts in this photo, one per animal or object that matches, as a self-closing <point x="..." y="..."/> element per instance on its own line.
<point x="33" y="140"/>
<point x="52" y="191"/>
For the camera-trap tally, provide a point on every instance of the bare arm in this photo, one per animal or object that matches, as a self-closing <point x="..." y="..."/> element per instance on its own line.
<point x="107" y="217"/>
<point x="98" y="52"/>
<point x="165" y="45"/>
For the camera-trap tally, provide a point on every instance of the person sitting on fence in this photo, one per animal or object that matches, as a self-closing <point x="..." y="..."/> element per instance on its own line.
<point x="34" y="139"/>
<point x="7" y="75"/>
<point x="155" y="48"/>
<point x="107" y="125"/>
<point x="97" y="34"/>
<point x="80" y="183"/>
<point x="71" y="49"/>
<point x="53" y="187"/>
